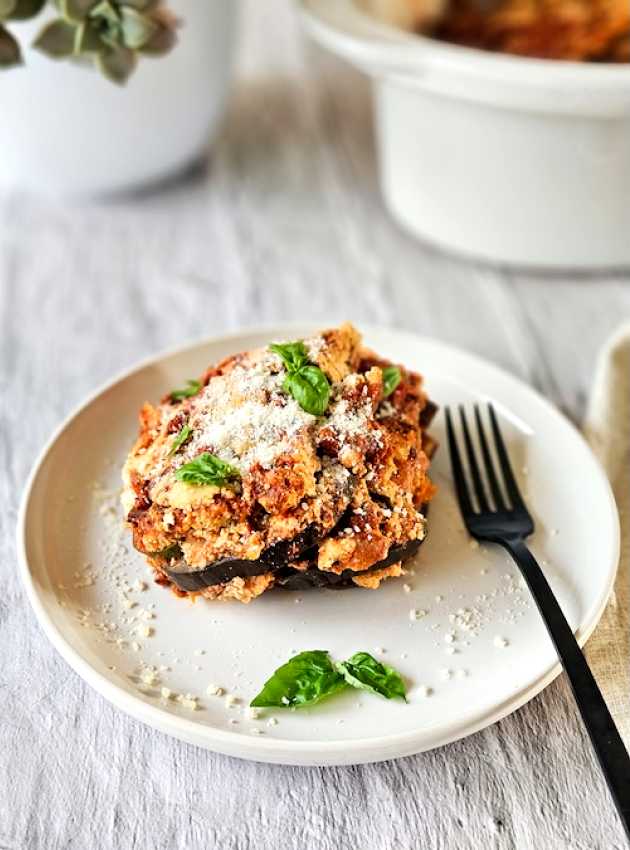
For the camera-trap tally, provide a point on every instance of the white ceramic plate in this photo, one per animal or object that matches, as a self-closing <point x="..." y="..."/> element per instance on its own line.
<point x="73" y="547"/>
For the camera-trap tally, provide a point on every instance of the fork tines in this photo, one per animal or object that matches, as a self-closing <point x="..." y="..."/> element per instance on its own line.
<point x="503" y="491"/>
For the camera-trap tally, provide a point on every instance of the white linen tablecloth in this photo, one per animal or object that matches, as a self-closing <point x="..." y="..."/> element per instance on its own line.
<point x="285" y="224"/>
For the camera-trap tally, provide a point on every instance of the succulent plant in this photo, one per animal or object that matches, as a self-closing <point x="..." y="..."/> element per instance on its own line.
<point x="112" y="33"/>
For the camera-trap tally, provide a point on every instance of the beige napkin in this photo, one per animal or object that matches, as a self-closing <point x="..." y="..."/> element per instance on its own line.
<point x="607" y="428"/>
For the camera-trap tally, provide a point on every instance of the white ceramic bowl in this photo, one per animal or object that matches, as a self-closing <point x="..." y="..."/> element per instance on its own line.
<point x="512" y="160"/>
<point x="67" y="130"/>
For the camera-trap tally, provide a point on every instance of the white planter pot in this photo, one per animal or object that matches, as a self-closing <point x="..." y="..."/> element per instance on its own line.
<point x="512" y="160"/>
<point x="64" y="129"/>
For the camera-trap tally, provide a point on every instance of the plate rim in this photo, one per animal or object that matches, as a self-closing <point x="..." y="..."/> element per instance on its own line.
<point x="286" y="751"/>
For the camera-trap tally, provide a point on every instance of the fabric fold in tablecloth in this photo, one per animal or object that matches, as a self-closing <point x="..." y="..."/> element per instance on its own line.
<point x="607" y="429"/>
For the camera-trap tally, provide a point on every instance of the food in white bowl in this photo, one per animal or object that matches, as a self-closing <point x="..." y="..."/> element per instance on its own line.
<point x="506" y="158"/>
<point x="300" y="464"/>
<point x="408" y="14"/>
<point x="589" y="30"/>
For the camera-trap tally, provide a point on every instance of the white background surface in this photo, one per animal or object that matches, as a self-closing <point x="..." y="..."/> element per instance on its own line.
<point x="286" y="223"/>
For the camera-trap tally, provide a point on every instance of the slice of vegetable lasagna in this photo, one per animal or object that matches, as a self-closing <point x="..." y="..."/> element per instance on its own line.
<point x="300" y="464"/>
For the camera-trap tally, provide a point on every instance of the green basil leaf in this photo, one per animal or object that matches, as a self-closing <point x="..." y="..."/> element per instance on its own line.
<point x="293" y="354"/>
<point x="172" y="551"/>
<point x="192" y="388"/>
<point x="365" y="672"/>
<point x="304" y="381"/>
<point x="310" y="388"/>
<point x="207" y="469"/>
<point x="180" y="439"/>
<point x="391" y="379"/>
<point x="305" y="679"/>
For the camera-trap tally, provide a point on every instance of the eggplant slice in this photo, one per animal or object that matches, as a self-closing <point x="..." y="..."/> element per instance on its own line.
<point x="225" y="569"/>
<point x="292" y="579"/>
<point x="278" y="559"/>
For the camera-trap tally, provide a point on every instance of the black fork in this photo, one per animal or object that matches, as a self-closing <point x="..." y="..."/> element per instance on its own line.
<point x="495" y="512"/>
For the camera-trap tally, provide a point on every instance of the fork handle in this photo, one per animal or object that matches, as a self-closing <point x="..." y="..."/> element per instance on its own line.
<point x="611" y="752"/>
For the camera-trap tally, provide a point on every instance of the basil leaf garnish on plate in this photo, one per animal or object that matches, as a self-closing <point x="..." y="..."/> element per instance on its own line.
<point x="207" y="469"/>
<point x="192" y="388"/>
<point x="365" y="672"/>
<point x="180" y="439"/>
<point x="391" y="379"/>
<point x="311" y="676"/>
<point x="305" y="679"/>
<point x="304" y="381"/>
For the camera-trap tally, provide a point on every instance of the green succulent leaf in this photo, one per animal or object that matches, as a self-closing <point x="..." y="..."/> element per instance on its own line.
<point x="116" y="63"/>
<point x="137" y="29"/>
<point x="162" y="41"/>
<point x="24" y="9"/>
<point x="9" y="49"/>
<point x="192" y="388"/>
<point x="142" y="5"/>
<point x="75" y="11"/>
<point x="305" y="679"/>
<point x="207" y="469"/>
<point x="6" y="8"/>
<point x="391" y="379"/>
<point x="113" y="31"/>
<point x="87" y="39"/>
<point x="109" y="38"/>
<point x="107" y="11"/>
<point x="56" y="39"/>
<point x="183" y="436"/>
<point x="310" y="388"/>
<point x="365" y="672"/>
